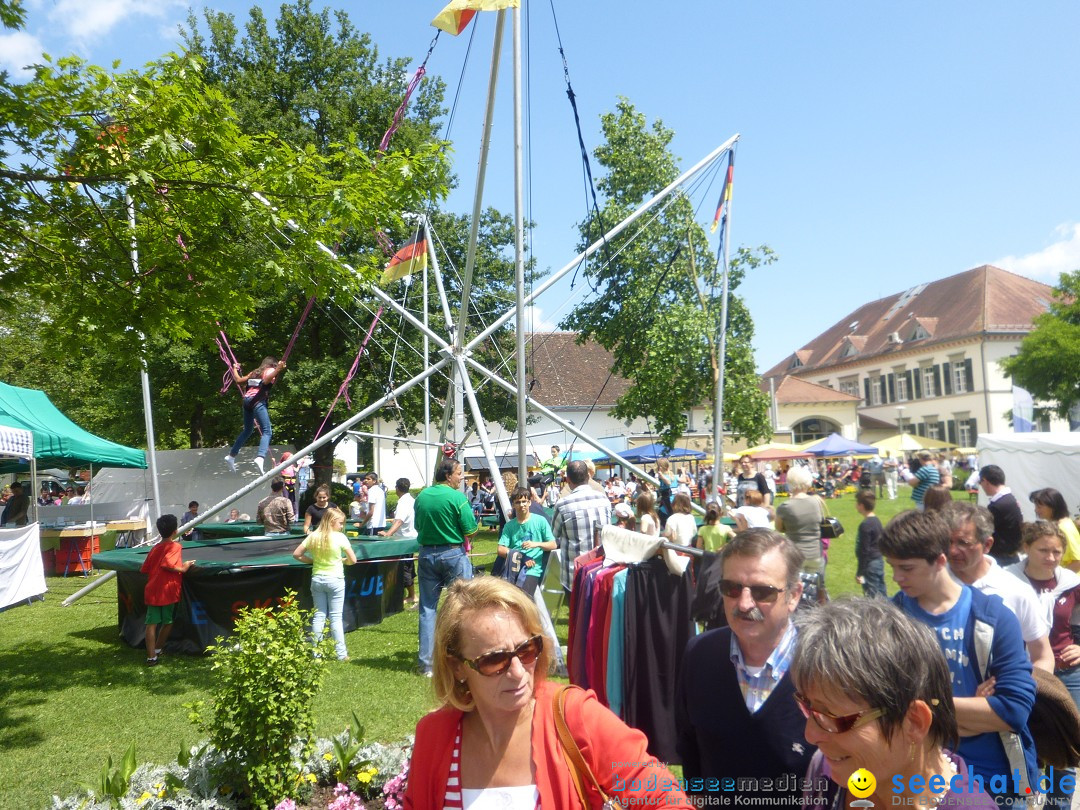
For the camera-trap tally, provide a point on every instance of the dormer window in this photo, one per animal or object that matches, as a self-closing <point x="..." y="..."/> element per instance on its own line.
<point x="795" y="362"/>
<point x="850" y="350"/>
<point x="919" y="333"/>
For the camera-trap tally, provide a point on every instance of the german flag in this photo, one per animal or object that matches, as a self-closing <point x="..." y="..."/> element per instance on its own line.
<point x="459" y="13"/>
<point x="725" y="192"/>
<point x="411" y="257"/>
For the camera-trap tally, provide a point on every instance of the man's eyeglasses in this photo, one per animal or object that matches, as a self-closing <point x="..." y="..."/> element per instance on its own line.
<point x="765" y="594"/>
<point x="832" y="723"/>
<point x="496" y="663"/>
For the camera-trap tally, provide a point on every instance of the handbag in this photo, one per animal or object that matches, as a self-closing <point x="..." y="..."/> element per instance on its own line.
<point x="1054" y="722"/>
<point x="579" y="769"/>
<point x="831" y="528"/>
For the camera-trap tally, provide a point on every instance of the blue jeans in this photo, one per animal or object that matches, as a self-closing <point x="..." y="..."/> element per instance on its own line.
<point x="439" y="567"/>
<point x="328" y="594"/>
<point x="874" y="579"/>
<point x="251" y="416"/>
<point x="1059" y="798"/>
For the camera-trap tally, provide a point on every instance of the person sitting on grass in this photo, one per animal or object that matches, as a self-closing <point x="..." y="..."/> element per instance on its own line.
<point x="165" y="567"/>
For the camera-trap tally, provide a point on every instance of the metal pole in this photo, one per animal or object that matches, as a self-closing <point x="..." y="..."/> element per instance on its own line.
<point x="481" y="432"/>
<point x="481" y="172"/>
<point x="718" y="412"/>
<point x="266" y="476"/>
<point x="519" y="253"/>
<point x="569" y="427"/>
<point x="427" y="359"/>
<point x="144" y="378"/>
<point x="591" y="249"/>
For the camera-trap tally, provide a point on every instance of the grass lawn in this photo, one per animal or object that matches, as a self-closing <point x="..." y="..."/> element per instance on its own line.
<point x="71" y="693"/>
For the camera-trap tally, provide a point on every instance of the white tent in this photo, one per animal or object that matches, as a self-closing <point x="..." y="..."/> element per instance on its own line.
<point x="22" y="575"/>
<point x="184" y="476"/>
<point x="1032" y="461"/>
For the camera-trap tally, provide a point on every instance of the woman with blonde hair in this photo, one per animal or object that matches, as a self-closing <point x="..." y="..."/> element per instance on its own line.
<point x="323" y="549"/>
<point x="496" y="742"/>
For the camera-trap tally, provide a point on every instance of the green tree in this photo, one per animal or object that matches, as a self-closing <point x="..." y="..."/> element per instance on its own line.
<point x="1048" y="363"/>
<point x="656" y="303"/>
<point x="315" y="80"/>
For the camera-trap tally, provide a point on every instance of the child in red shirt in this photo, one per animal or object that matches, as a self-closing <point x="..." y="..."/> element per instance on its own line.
<point x="165" y="567"/>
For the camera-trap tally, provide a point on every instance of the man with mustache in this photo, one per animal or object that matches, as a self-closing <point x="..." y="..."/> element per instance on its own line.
<point x="740" y="731"/>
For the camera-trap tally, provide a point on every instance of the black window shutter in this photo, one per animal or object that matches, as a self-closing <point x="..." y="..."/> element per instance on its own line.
<point x="920" y="429"/>
<point x="951" y="430"/>
<point x="915" y="379"/>
<point x="968" y="378"/>
<point x="937" y="381"/>
<point x="866" y="390"/>
<point x="974" y="430"/>
<point x="946" y="367"/>
<point x="891" y="379"/>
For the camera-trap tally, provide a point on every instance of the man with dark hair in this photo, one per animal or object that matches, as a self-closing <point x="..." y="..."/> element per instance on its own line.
<point x="735" y="713"/>
<point x="275" y="511"/>
<point x="17" y="506"/>
<point x="1006" y="512"/>
<point x="443" y="520"/>
<point x="578" y="515"/>
<point x="375" y="521"/>
<point x="982" y="643"/>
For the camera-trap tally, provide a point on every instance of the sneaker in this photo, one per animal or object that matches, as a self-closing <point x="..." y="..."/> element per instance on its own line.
<point x="231" y="461"/>
<point x="151" y="662"/>
<point x="258" y="462"/>
<point x="158" y="652"/>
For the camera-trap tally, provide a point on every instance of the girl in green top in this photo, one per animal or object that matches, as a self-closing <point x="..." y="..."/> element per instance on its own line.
<point x="323" y="549"/>
<point x="712" y="535"/>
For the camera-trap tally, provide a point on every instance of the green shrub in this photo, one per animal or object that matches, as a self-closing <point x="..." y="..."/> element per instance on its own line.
<point x="261" y="719"/>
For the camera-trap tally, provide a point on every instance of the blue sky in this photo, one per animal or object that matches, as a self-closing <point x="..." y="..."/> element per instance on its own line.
<point x="883" y="144"/>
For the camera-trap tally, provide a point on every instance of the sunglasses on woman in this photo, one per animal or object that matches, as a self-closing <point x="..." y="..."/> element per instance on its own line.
<point x="764" y="594"/>
<point x="836" y="724"/>
<point x="497" y="662"/>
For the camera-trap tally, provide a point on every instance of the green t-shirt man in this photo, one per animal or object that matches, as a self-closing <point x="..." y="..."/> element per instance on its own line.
<point x="443" y="516"/>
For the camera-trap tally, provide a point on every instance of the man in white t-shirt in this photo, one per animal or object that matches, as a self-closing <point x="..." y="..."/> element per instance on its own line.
<point x="403" y="526"/>
<point x="376" y="505"/>
<point x="972" y="535"/>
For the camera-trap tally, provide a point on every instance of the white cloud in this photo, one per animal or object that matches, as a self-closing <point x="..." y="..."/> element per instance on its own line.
<point x="89" y="20"/>
<point x="536" y="322"/>
<point x="1060" y="256"/>
<point x="17" y="50"/>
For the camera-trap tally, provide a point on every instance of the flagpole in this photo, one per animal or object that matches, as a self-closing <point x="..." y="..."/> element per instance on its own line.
<point x="718" y="410"/>
<point x="519" y="256"/>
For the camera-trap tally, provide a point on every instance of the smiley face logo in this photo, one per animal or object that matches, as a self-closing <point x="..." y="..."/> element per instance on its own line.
<point x="861" y="783"/>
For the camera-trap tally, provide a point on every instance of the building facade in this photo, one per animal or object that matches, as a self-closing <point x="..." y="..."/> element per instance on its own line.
<point x="927" y="360"/>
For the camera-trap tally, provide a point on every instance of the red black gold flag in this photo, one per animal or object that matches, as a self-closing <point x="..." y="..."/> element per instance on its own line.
<point x="725" y="192"/>
<point x="411" y="257"/>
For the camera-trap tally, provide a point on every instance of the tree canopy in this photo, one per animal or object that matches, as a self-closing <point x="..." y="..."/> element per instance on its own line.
<point x="1048" y="362"/>
<point x="655" y="304"/>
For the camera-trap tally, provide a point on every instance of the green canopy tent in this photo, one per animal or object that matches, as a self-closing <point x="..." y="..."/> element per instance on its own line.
<point x="58" y="442"/>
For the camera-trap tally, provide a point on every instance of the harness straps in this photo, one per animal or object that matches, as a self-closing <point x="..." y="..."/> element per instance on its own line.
<point x="344" y="389"/>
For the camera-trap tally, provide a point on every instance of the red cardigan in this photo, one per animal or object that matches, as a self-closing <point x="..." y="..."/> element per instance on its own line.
<point x="614" y="751"/>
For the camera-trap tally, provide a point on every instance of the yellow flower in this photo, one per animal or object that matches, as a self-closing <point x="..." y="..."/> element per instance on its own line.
<point x="224" y="790"/>
<point x="328" y="756"/>
<point x="143" y="798"/>
<point x="312" y="778"/>
<point x="161" y="794"/>
<point x="363" y="777"/>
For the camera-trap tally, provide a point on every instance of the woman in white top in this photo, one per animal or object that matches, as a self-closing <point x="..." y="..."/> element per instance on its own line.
<point x="681" y="527"/>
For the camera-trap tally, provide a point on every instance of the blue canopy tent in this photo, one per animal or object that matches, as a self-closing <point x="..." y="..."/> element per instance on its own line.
<point x="836" y="445"/>
<point x="654" y="451"/>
